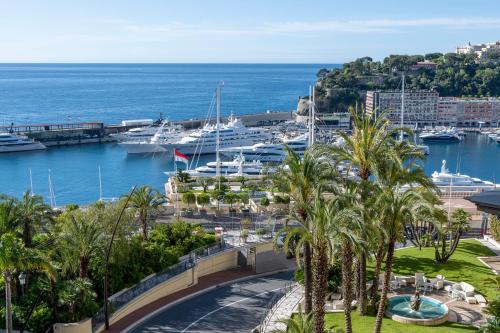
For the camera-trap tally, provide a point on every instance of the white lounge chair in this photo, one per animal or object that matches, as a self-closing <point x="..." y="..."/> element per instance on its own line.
<point x="438" y="282"/>
<point x="419" y="281"/>
<point x="393" y="282"/>
<point x="463" y="290"/>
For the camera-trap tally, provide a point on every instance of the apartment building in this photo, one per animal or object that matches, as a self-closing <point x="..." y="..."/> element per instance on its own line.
<point x="420" y="105"/>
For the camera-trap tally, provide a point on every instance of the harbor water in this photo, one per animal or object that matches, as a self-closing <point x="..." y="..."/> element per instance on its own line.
<point x="111" y="93"/>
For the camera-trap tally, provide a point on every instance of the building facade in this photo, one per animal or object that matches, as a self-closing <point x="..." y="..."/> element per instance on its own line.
<point x="420" y="106"/>
<point x="467" y="112"/>
<point x="426" y="108"/>
<point x="481" y="50"/>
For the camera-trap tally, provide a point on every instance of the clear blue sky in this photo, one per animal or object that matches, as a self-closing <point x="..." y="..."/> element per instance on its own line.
<point x="269" y="31"/>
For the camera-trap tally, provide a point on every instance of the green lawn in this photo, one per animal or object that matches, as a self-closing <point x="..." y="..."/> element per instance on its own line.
<point x="462" y="266"/>
<point x="365" y="325"/>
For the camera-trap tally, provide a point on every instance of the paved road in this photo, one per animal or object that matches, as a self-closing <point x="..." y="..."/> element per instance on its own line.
<point x="238" y="307"/>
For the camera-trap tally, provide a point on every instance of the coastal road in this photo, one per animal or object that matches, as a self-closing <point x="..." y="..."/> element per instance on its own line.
<point x="238" y="307"/>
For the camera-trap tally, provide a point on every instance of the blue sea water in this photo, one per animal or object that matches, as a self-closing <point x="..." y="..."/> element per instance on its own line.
<point x="111" y="93"/>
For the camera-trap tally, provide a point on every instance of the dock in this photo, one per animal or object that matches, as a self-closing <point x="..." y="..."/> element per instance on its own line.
<point x="76" y="133"/>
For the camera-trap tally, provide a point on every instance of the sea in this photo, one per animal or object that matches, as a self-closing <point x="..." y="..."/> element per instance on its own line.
<point x="110" y="93"/>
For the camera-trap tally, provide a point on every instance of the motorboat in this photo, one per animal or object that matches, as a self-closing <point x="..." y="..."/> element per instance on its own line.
<point x="10" y="143"/>
<point x="232" y="134"/>
<point x="272" y="152"/>
<point x="237" y="167"/>
<point x="446" y="178"/>
<point x="450" y="135"/>
<point x="158" y="143"/>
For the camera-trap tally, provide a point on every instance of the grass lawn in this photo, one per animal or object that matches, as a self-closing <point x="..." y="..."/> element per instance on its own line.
<point x="462" y="266"/>
<point x="365" y="325"/>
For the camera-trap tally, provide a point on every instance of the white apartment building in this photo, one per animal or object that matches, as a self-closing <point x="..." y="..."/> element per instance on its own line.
<point x="420" y="105"/>
<point x="481" y="50"/>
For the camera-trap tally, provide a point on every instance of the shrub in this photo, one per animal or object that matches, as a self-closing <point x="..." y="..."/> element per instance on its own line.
<point x="203" y="199"/>
<point x="244" y="233"/>
<point x="495" y="227"/>
<point x="260" y="231"/>
<point x="264" y="201"/>
<point x="188" y="198"/>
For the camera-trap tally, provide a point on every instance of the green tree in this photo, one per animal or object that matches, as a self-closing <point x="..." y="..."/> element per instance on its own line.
<point x="231" y="198"/>
<point x="31" y="212"/>
<point x="298" y="323"/>
<point x="81" y="238"/>
<point x="15" y="256"/>
<point x="146" y="201"/>
<point x="218" y="195"/>
<point x="78" y="297"/>
<point x="453" y="230"/>
<point x="242" y="180"/>
<point x="264" y="201"/>
<point x="188" y="198"/>
<point x="399" y="204"/>
<point x="182" y="176"/>
<point x="205" y="182"/>
<point x="203" y="199"/>
<point x="367" y="146"/>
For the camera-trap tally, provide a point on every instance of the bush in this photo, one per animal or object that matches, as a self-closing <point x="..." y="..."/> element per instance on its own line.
<point x="40" y="319"/>
<point x="264" y="201"/>
<point x="260" y="231"/>
<point x="244" y="233"/>
<point x="188" y="198"/>
<point x="203" y="199"/>
<point x="495" y="227"/>
<point x="277" y="199"/>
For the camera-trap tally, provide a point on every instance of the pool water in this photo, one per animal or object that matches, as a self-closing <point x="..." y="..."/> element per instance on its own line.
<point x="429" y="308"/>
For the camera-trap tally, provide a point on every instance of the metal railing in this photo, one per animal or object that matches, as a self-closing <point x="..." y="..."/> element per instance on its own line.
<point x="274" y="303"/>
<point x="124" y="297"/>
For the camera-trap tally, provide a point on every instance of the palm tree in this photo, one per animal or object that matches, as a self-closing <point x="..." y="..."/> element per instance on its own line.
<point x="31" y="211"/>
<point x="146" y="201"/>
<point x="400" y="203"/>
<point x="367" y="146"/>
<point x="15" y="256"/>
<point x="299" y="323"/>
<point x="302" y="177"/>
<point x="81" y="238"/>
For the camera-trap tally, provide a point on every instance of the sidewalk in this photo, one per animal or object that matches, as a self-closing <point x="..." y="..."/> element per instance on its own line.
<point x="203" y="283"/>
<point x="283" y="310"/>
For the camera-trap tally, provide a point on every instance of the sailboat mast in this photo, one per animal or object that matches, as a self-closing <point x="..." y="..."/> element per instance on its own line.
<point x="217" y="138"/>
<point x="100" y="184"/>
<point x="313" y="116"/>
<point x="402" y="105"/>
<point x="31" y="184"/>
<point x="309" y="117"/>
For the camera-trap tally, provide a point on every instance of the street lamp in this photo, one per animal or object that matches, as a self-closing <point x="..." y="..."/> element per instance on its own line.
<point x="22" y="281"/>
<point x="108" y="253"/>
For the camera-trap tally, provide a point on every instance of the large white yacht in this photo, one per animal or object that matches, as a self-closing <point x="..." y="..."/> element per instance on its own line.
<point x="450" y="135"/>
<point x="232" y="134"/>
<point x="164" y="135"/>
<point x="269" y="152"/>
<point x="136" y="134"/>
<point x="17" y="143"/>
<point x="237" y="167"/>
<point x="446" y="178"/>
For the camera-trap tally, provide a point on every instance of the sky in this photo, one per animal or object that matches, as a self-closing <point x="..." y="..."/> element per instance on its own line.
<point x="238" y="31"/>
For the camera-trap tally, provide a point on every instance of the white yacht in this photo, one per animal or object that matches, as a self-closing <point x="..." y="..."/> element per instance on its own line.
<point x="450" y="135"/>
<point x="17" y="143"/>
<point x="164" y="135"/>
<point x="232" y="134"/>
<point x="269" y="152"/>
<point x="446" y="178"/>
<point x="237" y="167"/>
<point x="136" y="134"/>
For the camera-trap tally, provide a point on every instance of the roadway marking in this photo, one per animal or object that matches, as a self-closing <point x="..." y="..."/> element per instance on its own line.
<point x="222" y="307"/>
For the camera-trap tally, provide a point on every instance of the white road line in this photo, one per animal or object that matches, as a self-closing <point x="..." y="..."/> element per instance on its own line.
<point x="222" y="307"/>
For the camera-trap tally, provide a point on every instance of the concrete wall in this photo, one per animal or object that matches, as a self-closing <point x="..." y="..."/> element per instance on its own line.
<point x="267" y="259"/>
<point x="84" y="326"/>
<point x="216" y="263"/>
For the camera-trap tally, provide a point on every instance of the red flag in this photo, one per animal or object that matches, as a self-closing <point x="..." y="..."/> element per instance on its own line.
<point x="180" y="157"/>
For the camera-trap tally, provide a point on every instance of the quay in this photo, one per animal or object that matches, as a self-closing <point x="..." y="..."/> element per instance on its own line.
<point x="75" y="133"/>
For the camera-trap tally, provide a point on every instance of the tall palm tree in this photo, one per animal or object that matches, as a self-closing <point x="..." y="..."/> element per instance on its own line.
<point x="81" y="238"/>
<point x="400" y="202"/>
<point x="302" y="177"/>
<point x="15" y="256"/>
<point x="367" y="146"/>
<point x="31" y="211"/>
<point x="146" y="201"/>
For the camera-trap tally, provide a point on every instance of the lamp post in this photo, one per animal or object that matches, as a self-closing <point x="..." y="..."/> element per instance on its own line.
<point x="108" y="253"/>
<point x="22" y="281"/>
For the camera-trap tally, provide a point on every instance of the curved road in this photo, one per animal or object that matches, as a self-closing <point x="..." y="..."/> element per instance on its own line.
<point x="238" y="307"/>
